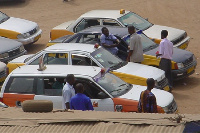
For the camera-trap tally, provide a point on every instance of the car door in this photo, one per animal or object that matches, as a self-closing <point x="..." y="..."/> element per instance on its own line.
<point x="101" y="101"/>
<point x="46" y="91"/>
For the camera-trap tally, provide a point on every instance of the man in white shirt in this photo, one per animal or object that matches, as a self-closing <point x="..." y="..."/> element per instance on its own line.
<point x="136" y="50"/>
<point x="165" y="53"/>
<point x="68" y="91"/>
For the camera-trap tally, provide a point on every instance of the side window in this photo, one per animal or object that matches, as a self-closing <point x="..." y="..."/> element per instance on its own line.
<point x="85" y="23"/>
<point x="82" y="60"/>
<point x="56" y="58"/>
<point x="89" y="39"/>
<point x="50" y="86"/>
<point x="110" y="22"/>
<point x="36" y="61"/>
<point x="20" y="85"/>
<point x="91" y="90"/>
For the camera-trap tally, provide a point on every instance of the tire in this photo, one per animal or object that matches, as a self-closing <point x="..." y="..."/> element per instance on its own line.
<point x="37" y="106"/>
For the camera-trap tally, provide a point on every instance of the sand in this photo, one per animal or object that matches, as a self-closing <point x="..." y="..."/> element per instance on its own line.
<point x="181" y="14"/>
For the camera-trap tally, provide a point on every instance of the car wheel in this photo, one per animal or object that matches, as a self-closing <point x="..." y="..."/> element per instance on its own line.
<point x="37" y="106"/>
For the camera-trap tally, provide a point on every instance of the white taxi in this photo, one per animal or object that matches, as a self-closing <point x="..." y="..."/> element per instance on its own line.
<point x="120" y="18"/>
<point x="88" y="55"/>
<point x="106" y="91"/>
<point x="24" y="31"/>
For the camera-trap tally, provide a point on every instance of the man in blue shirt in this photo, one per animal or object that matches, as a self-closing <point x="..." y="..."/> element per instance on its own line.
<point x="109" y="41"/>
<point x="80" y="101"/>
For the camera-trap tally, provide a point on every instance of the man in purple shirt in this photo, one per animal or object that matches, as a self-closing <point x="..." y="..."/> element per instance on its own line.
<point x="165" y="53"/>
<point x="80" y="101"/>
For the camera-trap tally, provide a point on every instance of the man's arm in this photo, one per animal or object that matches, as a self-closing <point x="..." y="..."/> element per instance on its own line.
<point x="111" y="46"/>
<point x="67" y="105"/>
<point x="129" y="55"/>
<point x="131" y="45"/>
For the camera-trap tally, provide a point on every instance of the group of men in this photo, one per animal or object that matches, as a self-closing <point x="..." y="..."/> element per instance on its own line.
<point x="78" y="101"/>
<point x="147" y="101"/>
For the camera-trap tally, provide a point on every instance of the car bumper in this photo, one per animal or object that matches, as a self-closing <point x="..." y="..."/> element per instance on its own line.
<point x="184" y="72"/>
<point x="32" y="38"/>
<point x="6" y="60"/>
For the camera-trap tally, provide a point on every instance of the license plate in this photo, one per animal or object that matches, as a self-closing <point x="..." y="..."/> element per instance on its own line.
<point x="37" y="37"/>
<point x="183" y="46"/>
<point x="190" y="70"/>
<point x="166" y="88"/>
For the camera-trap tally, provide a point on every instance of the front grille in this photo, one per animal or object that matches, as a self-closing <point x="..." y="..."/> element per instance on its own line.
<point x="163" y="83"/>
<point x="14" y="52"/>
<point x="33" y="31"/>
<point x="188" y="62"/>
<point x="179" y="39"/>
<point x="2" y="74"/>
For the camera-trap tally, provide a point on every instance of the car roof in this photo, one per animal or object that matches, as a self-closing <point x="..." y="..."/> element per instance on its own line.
<point x="103" y="14"/>
<point x="115" y="30"/>
<point x="56" y="70"/>
<point x="71" y="47"/>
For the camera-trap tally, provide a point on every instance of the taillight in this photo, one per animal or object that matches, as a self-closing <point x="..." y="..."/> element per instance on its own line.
<point x="175" y="66"/>
<point x="1" y="99"/>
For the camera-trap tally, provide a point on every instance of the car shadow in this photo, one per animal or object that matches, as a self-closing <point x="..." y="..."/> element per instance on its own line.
<point x="14" y="3"/>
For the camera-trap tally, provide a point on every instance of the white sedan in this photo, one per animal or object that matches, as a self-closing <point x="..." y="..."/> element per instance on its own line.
<point x="88" y="55"/>
<point x="120" y="18"/>
<point x="24" y="31"/>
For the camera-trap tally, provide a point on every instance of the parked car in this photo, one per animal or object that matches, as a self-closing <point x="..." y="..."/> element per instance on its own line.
<point x="24" y="31"/>
<point x="183" y="61"/>
<point x="3" y="71"/>
<point x="107" y="91"/>
<point x="88" y="55"/>
<point x="120" y="18"/>
<point x="10" y="49"/>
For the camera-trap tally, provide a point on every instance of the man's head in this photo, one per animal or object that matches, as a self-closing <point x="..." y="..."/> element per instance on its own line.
<point x="105" y="31"/>
<point x="150" y="83"/>
<point x="70" y="79"/>
<point x="131" y="29"/>
<point x="79" y="88"/>
<point x="164" y="34"/>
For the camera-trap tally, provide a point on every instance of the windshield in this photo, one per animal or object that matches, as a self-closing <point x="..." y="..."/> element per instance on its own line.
<point x="135" y="20"/>
<point x="3" y="17"/>
<point x="105" y="58"/>
<point x="112" y="84"/>
<point x="146" y="42"/>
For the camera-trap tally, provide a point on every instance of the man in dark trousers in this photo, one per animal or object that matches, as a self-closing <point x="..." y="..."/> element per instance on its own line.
<point x="147" y="102"/>
<point x="165" y="53"/>
<point x="80" y="101"/>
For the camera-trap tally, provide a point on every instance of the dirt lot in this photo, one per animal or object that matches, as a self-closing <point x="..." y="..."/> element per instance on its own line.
<point x="182" y="14"/>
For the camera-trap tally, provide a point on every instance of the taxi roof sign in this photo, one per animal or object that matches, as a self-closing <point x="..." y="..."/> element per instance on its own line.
<point x="122" y="11"/>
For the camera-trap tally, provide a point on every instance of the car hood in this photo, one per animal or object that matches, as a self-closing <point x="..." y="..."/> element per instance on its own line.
<point x="21" y="59"/>
<point x="141" y="70"/>
<point x="155" y="32"/>
<point x="163" y="98"/>
<point x="2" y="66"/>
<point x="18" y="25"/>
<point x="8" y="44"/>
<point x="179" y="55"/>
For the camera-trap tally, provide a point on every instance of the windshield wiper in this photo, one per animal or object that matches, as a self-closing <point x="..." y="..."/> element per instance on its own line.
<point x="3" y="20"/>
<point x="117" y="64"/>
<point x="121" y="85"/>
<point x="116" y="90"/>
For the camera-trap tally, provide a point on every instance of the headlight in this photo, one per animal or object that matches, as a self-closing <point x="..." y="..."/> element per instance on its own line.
<point x="171" y="108"/>
<point x="37" y="27"/>
<point x="21" y="48"/>
<point x="180" y="65"/>
<point x="22" y="36"/>
<point x="4" y="55"/>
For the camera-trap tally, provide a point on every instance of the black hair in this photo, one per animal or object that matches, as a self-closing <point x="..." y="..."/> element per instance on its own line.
<point x="150" y="83"/>
<point x="164" y="33"/>
<point x="69" y="77"/>
<point x="104" y="28"/>
<point x="131" y="27"/>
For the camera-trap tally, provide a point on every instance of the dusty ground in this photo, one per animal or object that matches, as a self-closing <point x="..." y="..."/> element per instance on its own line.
<point x="182" y="14"/>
